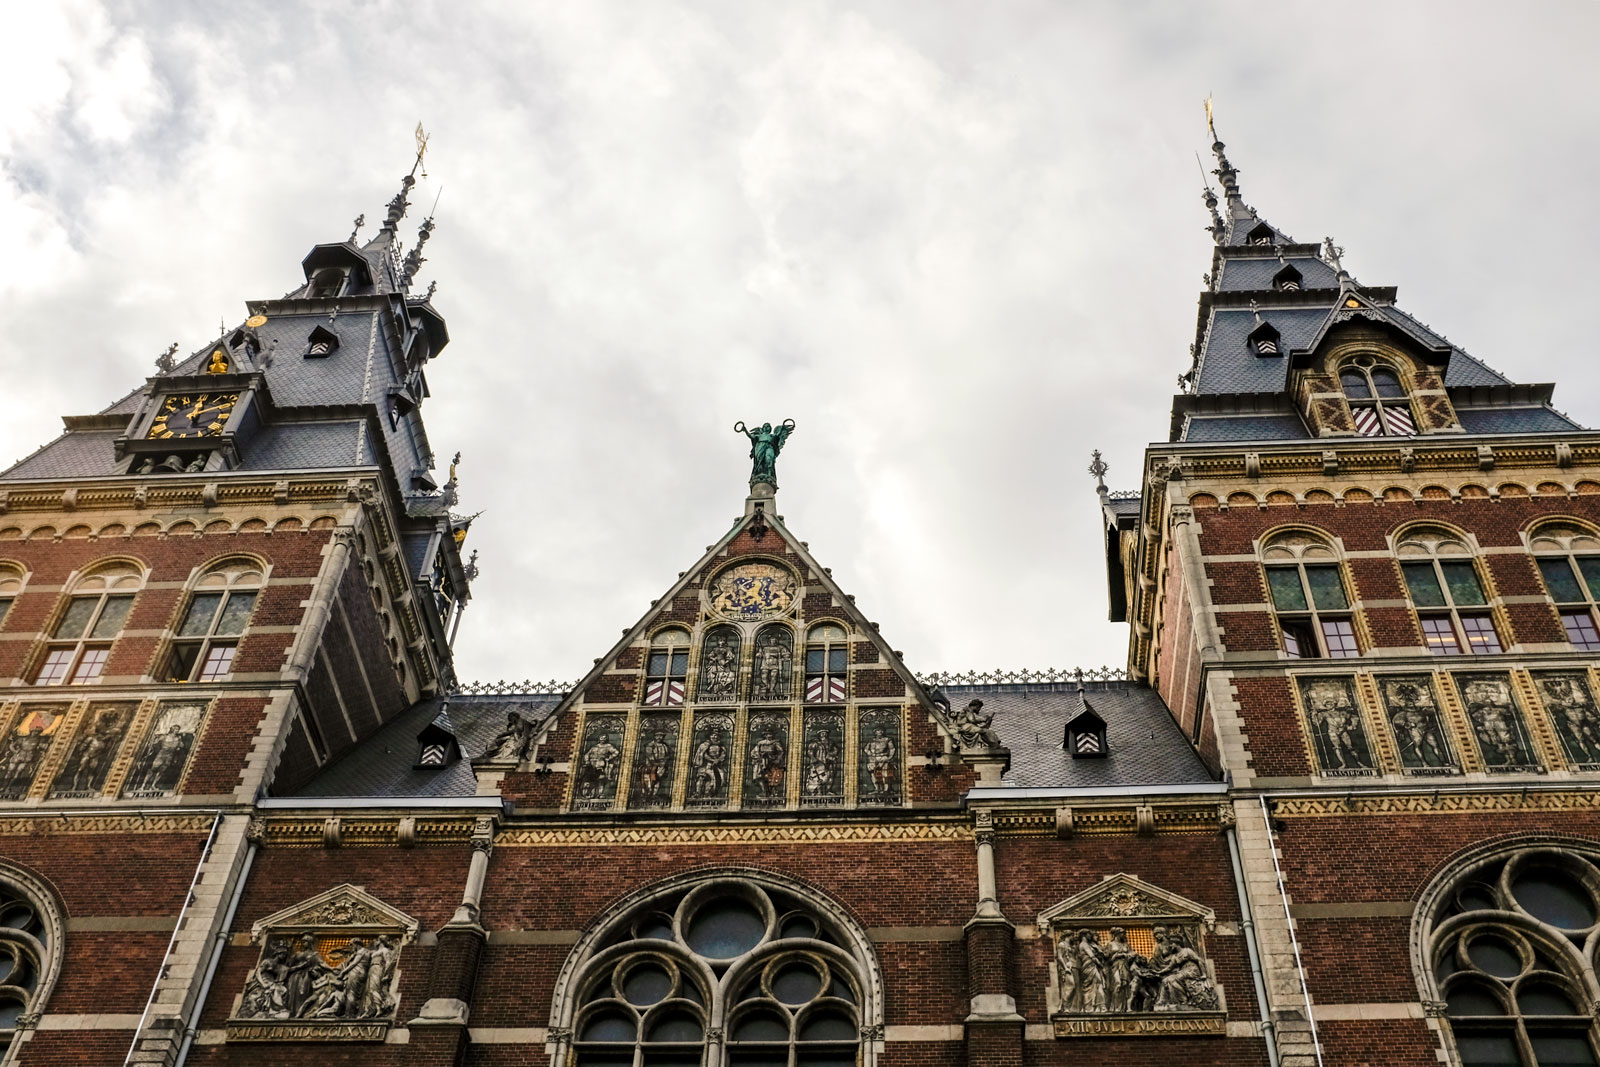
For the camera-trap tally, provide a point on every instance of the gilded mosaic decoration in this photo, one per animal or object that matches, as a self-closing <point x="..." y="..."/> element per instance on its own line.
<point x="822" y="760"/>
<point x="83" y="772"/>
<point x="1570" y="704"/>
<point x="1420" y="736"/>
<point x="719" y="664"/>
<point x="767" y="761"/>
<point x="1497" y="722"/>
<point x="880" y="756"/>
<point x="710" y="760"/>
<point x="655" y="759"/>
<point x="159" y="764"/>
<point x="1338" y="733"/>
<point x="599" y="762"/>
<point x="772" y="674"/>
<point x="754" y="590"/>
<point x="25" y="745"/>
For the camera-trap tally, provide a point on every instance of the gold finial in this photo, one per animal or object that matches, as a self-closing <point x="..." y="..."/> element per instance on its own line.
<point x="1211" y="123"/>
<point x="422" y="147"/>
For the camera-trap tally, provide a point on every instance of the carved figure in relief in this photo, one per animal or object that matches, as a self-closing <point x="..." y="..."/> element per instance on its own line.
<point x="1494" y="721"/>
<point x="1120" y="959"/>
<point x="880" y="753"/>
<point x="768" y="763"/>
<point x="1416" y="726"/>
<point x="719" y="667"/>
<point x="265" y="992"/>
<point x="973" y="727"/>
<point x="709" y="762"/>
<point x="1081" y="959"/>
<point x="772" y="666"/>
<point x="1574" y="713"/>
<point x="822" y="764"/>
<point x="1341" y="741"/>
<point x="22" y="759"/>
<point x="600" y="766"/>
<point x="511" y="744"/>
<point x="303" y="967"/>
<point x="654" y="763"/>
<point x="1181" y="974"/>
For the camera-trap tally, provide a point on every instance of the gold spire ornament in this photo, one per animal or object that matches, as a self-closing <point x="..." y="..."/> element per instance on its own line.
<point x="218" y="364"/>
<point x="422" y="147"/>
<point x="1211" y="121"/>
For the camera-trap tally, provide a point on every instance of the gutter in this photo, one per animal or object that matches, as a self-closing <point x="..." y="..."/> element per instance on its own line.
<point x="982" y="793"/>
<point x="381" y="803"/>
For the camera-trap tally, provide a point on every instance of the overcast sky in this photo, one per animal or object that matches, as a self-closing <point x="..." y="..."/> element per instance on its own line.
<point x="959" y="243"/>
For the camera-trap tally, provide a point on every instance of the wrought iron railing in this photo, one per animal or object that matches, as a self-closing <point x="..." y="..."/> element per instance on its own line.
<point x="1026" y="677"/>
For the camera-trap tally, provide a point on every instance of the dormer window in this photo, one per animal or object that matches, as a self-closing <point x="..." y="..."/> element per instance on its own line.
<point x="1288" y="280"/>
<point x="1264" y="341"/>
<point x="327" y="282"/>
<point x="1377" y="399"/>
<point x="1261" y="235"/>
<point x="321" y="343"/>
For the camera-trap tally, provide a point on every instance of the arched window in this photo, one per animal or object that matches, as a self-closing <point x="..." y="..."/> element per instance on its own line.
<point x="827" y="664"/>
<point x="772" y="671"/>
<point x="1569" y="560"/>
<point x="1308" y="597"/>
<point x="1447" y="591"/>
<point x="80" y="642"/>
<point x="666" y="668"/>
<point x="30" y="950"/>
<point x="737" y="969"/>
<point x="1377" y="399"/>
<point x="1504" y="944"/>
<point x="12" y="578"/>
<point x="719" y="664"/>
<point x="218" y="611"/>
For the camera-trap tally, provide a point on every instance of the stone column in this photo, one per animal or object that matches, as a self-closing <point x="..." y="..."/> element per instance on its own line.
<point x="994" y="1029"/>
<point x="441" y="1025"/>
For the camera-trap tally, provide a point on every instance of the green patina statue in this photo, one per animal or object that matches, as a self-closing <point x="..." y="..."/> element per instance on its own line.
<point x="765" y="444"/>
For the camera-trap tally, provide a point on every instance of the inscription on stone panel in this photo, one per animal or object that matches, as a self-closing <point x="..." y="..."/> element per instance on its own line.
<point x="766" y="782"/>
<point x="599" y="763"/>
<point x="1569" y="702"/>
<point x="164" y="753"/>
<point x="822" y="758"/>
<point x="25" y="745"/>
<point x="89" y="760"/>
<point x="1497" y="722"/>
<point x="655" y="759"/>
<point x="1338" y="732"/>
<point x="1412" y="709"/>
<point x="881" y="757"/>
<point x="710" y="760"/>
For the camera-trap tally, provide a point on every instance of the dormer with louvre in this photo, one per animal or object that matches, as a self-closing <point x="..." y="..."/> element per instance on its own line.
<point x="1288" y="280"/>
<point x="1265" y="340"/>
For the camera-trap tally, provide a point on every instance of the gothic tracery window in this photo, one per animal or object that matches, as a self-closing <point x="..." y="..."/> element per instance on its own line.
<point x="216" y="615"/>
<point x="722" y="971"/>
<point x="1377" y="399"/>
<point x="1569" y="561"/>
<point x="1308" y="596"/>
<point x="81" y="639"/>
<point x="1447" y="591"/>
<point x="30" y="953"/>
<point x="1506" y="944"/>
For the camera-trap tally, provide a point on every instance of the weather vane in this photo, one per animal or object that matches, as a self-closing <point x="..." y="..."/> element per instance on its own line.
<point x="1098" y="467"/>
<point x="1211" y="122"/>
<point x="422" y="148"/>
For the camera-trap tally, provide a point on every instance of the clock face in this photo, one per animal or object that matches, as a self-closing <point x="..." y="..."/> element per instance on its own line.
<point x="193" y="415"/>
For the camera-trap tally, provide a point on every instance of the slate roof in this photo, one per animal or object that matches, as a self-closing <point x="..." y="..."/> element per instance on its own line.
<point x="1238" y="274"/>
<point x="295" y="446"/>
<point x="84" y="453"/>
<point x="1145" y="743"/>
<point x="1206" y="428"/>
<point x="1514" y="420"/>
<point x="383" y="766"/>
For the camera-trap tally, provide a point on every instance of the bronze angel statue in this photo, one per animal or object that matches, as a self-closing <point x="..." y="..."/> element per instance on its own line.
<point x="765" y="444"/>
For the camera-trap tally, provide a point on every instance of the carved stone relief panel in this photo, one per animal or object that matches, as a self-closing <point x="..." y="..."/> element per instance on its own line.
<point x="88" y="761"/>
<point x="24" y="747"/>
<point x="1129" y="959"/>
<point x="880" y="757"/>
<point x="164" y="752"/>
<point x="594" y="782"/>
<point x="655" y="759"/>
<point x="766" y="773"/>
<point x="1497" y="722"/>
<point x="753" y="590"/>
<point x="1421" y="738"/>
<point x="329" y="970"/>
<point x="1569" y="701"/>
<point x="822" y="758"/>
<point x="1337" y="728"/>
<point x="772" y="668"/>
<point x="710" y="760"/>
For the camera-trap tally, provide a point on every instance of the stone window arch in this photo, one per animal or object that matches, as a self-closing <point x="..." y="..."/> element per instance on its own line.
<point x="89" y="622"/>
<point x="1447" y="590"/>
<point x="666" y="667"/>
<point x="218" y="609"/>
<point x="1378" y="397"/>
<point x="12" y="578"/>
<point x="720" y="968"/>
<point x="1568" y="555"/>
<point x="32" y="936"/>
<point x="1310" y="597"/>
<point x="1504" y="944"/>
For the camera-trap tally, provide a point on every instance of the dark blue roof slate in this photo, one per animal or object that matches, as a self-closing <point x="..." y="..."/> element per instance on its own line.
<point x="1146" y="746"/>
<point x="1514" y="420"/>
<point x="85" y="453"/>
<point x="296" y="446"/>
<point x="1228" y="364"/>
<point x="1238" y="274"/>
<point x="1204" y="428"/>
<point x="384" y="765"/>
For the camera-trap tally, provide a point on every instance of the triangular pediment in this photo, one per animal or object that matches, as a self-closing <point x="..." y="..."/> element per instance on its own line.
<point x="1126" y="897"/>
<point x="344" y="908"/>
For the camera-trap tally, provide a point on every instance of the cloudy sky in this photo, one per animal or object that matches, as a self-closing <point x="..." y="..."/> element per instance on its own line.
<point x="959" y="243"/>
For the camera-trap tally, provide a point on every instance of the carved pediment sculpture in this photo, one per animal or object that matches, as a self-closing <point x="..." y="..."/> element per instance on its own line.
<point x="971" y="727"/>
<point x="329" y="970"/>
<point x="513" y="743"/>
<point x="1128" y="959"/>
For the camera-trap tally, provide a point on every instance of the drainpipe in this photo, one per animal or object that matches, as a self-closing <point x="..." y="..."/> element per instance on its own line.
<point x="222" y="936"/>
<point x="1294" y="941"/>
<point x="205" y="854"/>
<point x="1252" y="948"/>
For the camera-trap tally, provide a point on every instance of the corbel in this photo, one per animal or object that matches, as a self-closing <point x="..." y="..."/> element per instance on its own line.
<point x="1485" y="458"/>
<point x="1064" y="825"/>
<point x="1252" y="464"/>
<point x="280" y="492"/>
<point x="69" y="499"/>
<point x="1563" y="455"/>
<point x="1330" y="462"/>
<point x="332" y="834"/>
<point x="405" y="832"/>
<point x="208" y="494"/>
<point x="1145" y="815"/>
